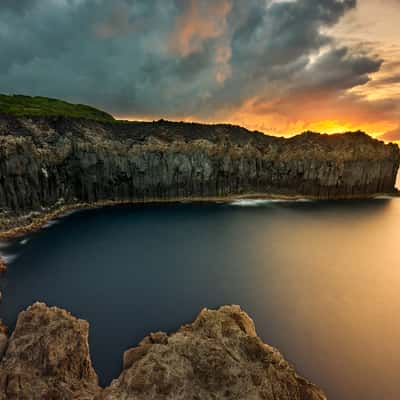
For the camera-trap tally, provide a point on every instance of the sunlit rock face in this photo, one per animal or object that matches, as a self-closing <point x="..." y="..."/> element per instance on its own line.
<point x="218" y="356"/>
<point x="47" y="357"/>
<point x="43" y="160"/>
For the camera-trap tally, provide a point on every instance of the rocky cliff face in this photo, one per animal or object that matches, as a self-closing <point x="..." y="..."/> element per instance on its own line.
<point x="48" y="160"/>
<point x="218" y="356"/>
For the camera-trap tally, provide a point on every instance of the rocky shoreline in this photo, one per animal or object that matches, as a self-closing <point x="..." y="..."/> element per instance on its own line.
<point x="50" y="161"/>
<point x="19" y="225"/>
<point x="15" y="226"/>
<point x="218" y="356"/>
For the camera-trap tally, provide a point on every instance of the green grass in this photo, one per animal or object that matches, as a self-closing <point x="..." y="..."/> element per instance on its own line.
<point x="20" y="105"/>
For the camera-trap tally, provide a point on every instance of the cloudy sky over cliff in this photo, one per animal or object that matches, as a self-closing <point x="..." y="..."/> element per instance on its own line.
<point x="274" y="65"/>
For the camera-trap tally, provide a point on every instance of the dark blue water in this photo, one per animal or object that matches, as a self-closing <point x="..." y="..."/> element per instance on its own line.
<point x="320" y="279"/>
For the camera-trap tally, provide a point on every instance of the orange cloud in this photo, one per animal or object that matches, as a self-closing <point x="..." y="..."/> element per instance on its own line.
<point x="392" y="135"/>
<point x="321" y="111"/>
<point x="199" y="22"/>
<point x="340" y="89"/>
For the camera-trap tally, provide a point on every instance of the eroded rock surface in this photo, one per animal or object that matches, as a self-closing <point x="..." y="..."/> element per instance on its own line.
<point x="47" y="357"/>
<point x="45" y="161"/>
<point x="218" y="356"/>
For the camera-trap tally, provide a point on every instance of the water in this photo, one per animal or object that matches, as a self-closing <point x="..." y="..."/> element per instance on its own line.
<point x="320" y="279"/>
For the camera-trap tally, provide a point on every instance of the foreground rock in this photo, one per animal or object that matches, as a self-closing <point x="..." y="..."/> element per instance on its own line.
<point x="48" y="161"/>
<point x="47" y="357"/>
<point x="219" y="356"/>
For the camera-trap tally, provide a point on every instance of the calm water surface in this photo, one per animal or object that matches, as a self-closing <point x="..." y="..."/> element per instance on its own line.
<point x="320" y="279"/>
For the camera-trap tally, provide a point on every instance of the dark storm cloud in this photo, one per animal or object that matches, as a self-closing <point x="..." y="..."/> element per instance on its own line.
<point x="18" y="6"/>
<point x="339" y="69"/>
<point x="173" y="57"/>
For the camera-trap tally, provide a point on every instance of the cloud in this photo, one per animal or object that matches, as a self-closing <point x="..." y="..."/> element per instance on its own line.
<point x="19" y="7"/>
<point x="199" y="59"/>
<point x="198" y="22"/>
<point x="392" y="136"/>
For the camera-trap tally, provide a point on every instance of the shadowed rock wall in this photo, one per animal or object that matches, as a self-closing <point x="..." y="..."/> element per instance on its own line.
<point x="47" y="160"/>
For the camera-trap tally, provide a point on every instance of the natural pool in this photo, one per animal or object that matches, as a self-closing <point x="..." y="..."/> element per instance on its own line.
<point x="320" y="279"/>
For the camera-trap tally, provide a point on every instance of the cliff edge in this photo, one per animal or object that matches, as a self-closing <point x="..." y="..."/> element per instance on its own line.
<point x="48" y="161"/>
<point x="218" y="356"/>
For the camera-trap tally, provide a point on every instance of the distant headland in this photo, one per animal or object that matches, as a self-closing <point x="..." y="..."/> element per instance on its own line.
<point x="55" y="156"/>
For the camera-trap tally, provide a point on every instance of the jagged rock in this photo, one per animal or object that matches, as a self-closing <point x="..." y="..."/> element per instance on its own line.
<point x="48" y="160"/>
<point x="47" y="357"/>
<point x="219" y="356"/>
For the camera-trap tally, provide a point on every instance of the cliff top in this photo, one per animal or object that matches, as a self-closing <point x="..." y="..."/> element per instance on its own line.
<point x="50" y="120"/>
<point x="20" y="105"/>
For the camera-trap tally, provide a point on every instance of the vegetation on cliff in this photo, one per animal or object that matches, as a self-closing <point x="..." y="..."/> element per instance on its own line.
<point x="54" y="160"/>
<point x="20" y="105"/>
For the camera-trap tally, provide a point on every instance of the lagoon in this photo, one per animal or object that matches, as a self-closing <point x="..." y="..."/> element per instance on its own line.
<point x="321" y="280"/>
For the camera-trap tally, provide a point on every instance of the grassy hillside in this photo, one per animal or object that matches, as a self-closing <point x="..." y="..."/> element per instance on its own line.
<point x="20" y="105"/>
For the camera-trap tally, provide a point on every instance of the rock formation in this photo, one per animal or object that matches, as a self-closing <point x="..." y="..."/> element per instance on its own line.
<point x="47" y="357"/>
<point x="218" y="356"/>
<point x="45" y="161"/>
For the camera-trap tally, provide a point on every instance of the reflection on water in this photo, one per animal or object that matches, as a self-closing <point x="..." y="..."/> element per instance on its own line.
<point x="321" y="280"/>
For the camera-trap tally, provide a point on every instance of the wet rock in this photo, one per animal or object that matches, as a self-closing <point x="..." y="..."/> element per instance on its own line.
<point x="218" y="356"/>
<point x="47" y="357"/>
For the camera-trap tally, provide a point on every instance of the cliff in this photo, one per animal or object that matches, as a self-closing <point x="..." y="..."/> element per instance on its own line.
<point x="218" y="356"/>
<point x="47" y="160"/>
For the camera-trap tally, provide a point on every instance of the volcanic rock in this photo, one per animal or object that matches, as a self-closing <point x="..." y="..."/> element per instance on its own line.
<point x="48" y="161"/>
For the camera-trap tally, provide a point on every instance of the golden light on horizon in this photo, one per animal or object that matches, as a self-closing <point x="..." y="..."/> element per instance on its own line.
<point x="321" y="126"/>
<point x="350" y="84"/>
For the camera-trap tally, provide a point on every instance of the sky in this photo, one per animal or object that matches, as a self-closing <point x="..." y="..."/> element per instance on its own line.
<point x="279" y="66"/>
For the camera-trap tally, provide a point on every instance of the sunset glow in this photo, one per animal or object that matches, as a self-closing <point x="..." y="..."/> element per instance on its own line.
<point x="368" y="30"/>
<point x="281" y="67"/>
